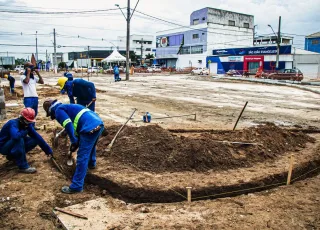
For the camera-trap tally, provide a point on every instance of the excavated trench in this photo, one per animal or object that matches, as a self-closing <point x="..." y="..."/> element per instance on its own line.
<point x="155" y="151"/>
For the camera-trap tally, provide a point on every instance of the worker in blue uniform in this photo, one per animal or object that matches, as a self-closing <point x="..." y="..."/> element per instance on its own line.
<point x="84" y="91"/>
<point x="11" y="81"/>
<point x="84" y="128"/>
<point x="116" y="72"/>
<point x="18" y="136"/>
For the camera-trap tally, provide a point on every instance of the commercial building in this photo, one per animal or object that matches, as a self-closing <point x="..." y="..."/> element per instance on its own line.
<point x="312" y="42"/>
<point x="251" y="59"/>
<point x="209" y="29"/>
<point x="7" y="62"/>
<point x="138" y="43"/>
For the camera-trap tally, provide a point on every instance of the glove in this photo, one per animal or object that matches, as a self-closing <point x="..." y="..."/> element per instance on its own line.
<point x="74" y="147"/>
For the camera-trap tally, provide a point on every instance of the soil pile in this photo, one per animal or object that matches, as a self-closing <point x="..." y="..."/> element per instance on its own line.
<point x="154" y="149"/>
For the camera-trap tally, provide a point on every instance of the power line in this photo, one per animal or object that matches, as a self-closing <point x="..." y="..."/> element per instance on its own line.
<point x="62" y="12"/>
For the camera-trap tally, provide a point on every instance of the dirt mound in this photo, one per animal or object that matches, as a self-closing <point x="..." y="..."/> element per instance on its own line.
<point x="154" y="149"/>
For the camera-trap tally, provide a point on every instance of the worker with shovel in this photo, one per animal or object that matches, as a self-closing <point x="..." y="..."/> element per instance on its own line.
<point x="84" y="128"/>
<point x="18" y="136"/>
<point x="84" y="91"/>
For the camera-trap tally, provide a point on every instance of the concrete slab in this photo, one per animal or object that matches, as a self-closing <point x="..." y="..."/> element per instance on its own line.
<point x="99" y="213"/>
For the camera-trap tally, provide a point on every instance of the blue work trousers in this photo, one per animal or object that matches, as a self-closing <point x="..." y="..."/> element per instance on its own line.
<point x="17" y="149"/>
<point x="86" y="156"/>
<point x="31" y="102"/>
<point x="86" y="102"/>
<point x="117" y="77"/>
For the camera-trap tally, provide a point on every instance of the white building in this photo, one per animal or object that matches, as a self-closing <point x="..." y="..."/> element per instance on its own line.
<point x="209" y="29"/>
<point x="138" y="43"/>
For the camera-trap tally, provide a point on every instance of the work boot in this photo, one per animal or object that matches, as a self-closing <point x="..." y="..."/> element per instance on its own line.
<point x="68" y="190"/>
<point x="28" y="170"/>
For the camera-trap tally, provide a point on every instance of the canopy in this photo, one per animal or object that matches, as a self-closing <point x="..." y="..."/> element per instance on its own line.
<point x="114" y="57"/>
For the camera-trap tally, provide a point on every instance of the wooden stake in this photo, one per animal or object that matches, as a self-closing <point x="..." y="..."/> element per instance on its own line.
<point x="189" y="193"/>
<point x="244" y="107"/>
<point x="290" y="169"/>
<point x="71" y="213"/>
<point x="195" y="116"/>
<point x="44" y="127"/>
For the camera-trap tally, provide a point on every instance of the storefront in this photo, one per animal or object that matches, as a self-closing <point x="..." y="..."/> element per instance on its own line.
<point x="249" y="59"/>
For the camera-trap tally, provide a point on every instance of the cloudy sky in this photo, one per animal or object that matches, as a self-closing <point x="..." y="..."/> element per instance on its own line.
<point x="88" y="29"/>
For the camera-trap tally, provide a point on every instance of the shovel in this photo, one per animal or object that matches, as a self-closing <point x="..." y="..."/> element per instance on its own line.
<point x="70" y="160"/>
<point x="115" y="137"/>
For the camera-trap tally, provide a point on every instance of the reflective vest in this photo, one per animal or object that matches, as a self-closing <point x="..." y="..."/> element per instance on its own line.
<point x="76" y="120"/>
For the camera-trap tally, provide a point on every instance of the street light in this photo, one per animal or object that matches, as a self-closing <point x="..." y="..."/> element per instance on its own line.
<point x="128" y="19"/>
<point x="278" y="41"/>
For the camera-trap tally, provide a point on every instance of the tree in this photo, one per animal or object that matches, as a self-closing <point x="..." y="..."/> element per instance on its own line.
<point x="133" y="56"/>
<point x="20" y="61"/>
<point x="149" y="56"/>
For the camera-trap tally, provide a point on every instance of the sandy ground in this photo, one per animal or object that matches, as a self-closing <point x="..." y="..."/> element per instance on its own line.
<point x="26" y="201"/>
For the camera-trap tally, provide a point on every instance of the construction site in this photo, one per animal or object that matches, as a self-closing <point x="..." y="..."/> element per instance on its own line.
<point x="217" y="154"/>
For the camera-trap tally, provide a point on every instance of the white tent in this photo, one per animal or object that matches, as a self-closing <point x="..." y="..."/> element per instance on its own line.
<point x="114" y="57"/>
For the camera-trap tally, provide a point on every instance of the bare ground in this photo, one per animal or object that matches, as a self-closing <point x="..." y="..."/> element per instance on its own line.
<point x="26" y="201"/>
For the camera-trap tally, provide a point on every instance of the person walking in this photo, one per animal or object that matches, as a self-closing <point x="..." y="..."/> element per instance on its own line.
<point x="84" y="128"/>
<point x="11" y="81"/>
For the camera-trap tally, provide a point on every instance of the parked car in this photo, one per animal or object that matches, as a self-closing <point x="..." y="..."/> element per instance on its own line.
<point x="156" y="66"/>
<point x="200" y="71"/>
<point x="286" y="74"/>
<point x="19" y="69"/>
<point x="93" y="69"/>
<point x="153" y="69"/>
<point x="3" y="71"/>
<point x="81" y="69"/>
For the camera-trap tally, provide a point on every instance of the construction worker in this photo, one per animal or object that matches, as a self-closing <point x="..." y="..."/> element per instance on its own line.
<point x="29" y="81"/>
<point x="84" y="128"/>
<point x="116" y="72"/>
<point x="84" y="91"/>
<point x="11" y="81"/>
<point x="18" y="136"/>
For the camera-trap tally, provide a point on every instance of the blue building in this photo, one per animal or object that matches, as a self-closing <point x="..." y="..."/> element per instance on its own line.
<point x="210" y="28"/>
<point x="312" y="42"/>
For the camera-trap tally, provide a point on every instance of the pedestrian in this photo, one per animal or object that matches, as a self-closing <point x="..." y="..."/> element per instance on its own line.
<point x="83" y="90"/>
<point x="84" y="128"/>
<point x="11" y="81"/>
<point x="116" y="73"/>
<point x="29" y="81"/>
<point x="18" y="137"/>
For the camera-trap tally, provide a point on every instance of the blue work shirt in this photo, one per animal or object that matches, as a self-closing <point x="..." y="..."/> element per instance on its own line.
<point x="65" y="114"/>
<point x="12" y="131"/>
<point x="81" y="89"/>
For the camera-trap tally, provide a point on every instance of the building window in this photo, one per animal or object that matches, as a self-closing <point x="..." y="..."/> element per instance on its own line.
<point x="203" y="19"/>
<point x="195" y="36"/>
<point x="195" y="21"/>
<point x="196" y="49"/>
<point x="246" y="25"/>
<point x="315" y="42"/>
<point x="148" y="49"/>
<point x="149" y="43"/>
<point x="185" y="50"/>
<point x="232" y="23"/>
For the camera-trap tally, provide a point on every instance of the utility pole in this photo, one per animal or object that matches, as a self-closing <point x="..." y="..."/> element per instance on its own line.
<point x="278" y="42"/>
<point x="46" y="56"/>
<point x="128" y="41"/>
<point x="7" y="54"/>
<point x="55" y="51"/>
<point x="141" y="50"/>
<point x="89" y="63"/>
<point x="37" y="45"/>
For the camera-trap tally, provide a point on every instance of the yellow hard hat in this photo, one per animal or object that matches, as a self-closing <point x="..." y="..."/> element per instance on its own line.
<point x="6" y="76"/>
<point x="62" y="82"/>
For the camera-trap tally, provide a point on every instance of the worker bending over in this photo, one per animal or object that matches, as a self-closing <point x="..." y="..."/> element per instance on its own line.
<point x="84" y="91"/>
<point x="11" y="81"/>
<point x="84" y="128"/>
<point x="18" y="136"/>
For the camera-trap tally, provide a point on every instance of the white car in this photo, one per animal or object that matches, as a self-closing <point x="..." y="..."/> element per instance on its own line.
<point x="200" y="71"/>
<point x="19" y="69"/>
<point x="153" y="69"/>
<point x="93" y="70"/>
